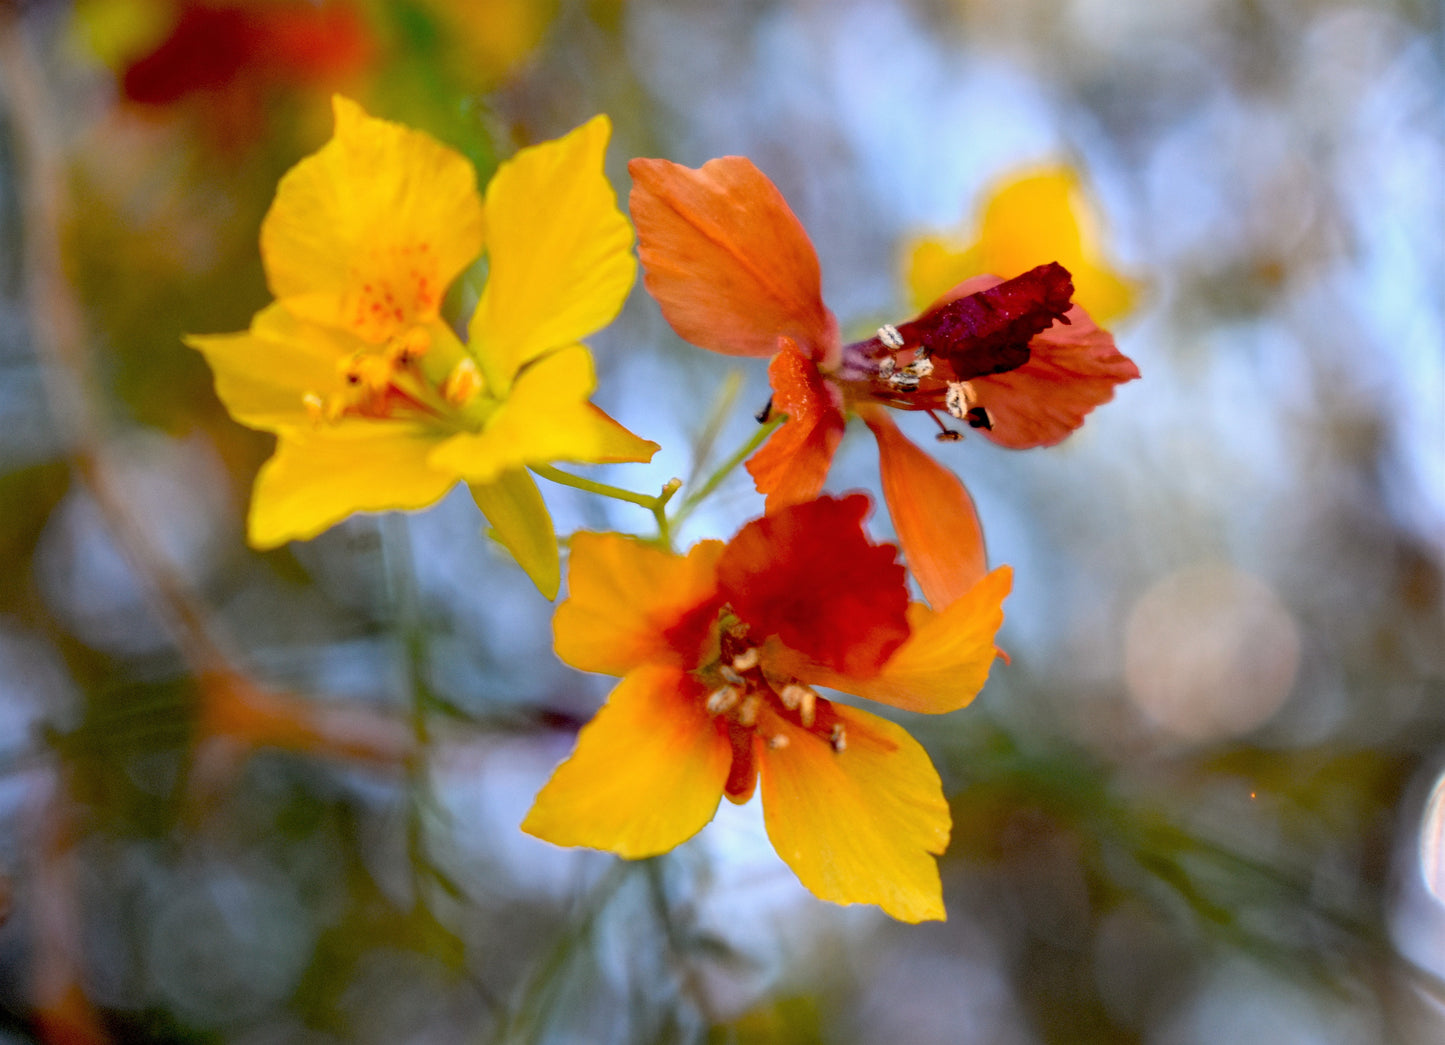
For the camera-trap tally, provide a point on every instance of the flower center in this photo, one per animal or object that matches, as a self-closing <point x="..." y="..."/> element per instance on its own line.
<point x="752" y="697"/>
<point x="389" y="382"/>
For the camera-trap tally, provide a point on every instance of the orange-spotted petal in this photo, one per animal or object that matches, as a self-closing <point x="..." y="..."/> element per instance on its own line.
<point x="793" y="464"/>
<point x="727" y="259"/>
<point x="809" y="575"/>
<point x="860" y="825"/>
<point x="931" y="512"/>
<point x="630" y="603"/>
<point x="368" y="232"/>
<point x="647" y="773"/>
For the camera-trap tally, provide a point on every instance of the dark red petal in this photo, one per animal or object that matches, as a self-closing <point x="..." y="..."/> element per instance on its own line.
<point x="793" y="463"/>
<point x="988" y="332"/>
<point x="727" y="259"/>
<point x="809" y="575"/>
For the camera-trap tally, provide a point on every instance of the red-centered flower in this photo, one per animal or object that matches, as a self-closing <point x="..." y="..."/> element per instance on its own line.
<point x="719" y="653"/>
<point x="734" y="272"/>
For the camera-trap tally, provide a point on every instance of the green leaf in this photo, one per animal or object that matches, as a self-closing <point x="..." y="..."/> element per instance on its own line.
<point x="522" y="525"/>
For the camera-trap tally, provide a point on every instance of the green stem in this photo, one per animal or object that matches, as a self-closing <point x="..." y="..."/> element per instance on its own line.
<point x="696" y="497"/>
<point x="655" y="503"/>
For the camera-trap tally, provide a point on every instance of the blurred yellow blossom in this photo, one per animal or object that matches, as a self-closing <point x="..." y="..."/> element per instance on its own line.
<point x="1042" y="215"/>
<point x="375" y="402"/>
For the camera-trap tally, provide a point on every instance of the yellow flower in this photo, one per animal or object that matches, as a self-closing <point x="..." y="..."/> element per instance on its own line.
<point x="1043" y="215"/>
<point x="375" y="402"/>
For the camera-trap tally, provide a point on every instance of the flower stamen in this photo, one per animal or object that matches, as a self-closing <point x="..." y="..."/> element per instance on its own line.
<point x="463" y="384"/>
<point x="723" y="700"/>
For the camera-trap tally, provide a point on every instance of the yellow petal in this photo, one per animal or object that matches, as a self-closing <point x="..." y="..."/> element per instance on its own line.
<point x="859" y="825"/>
<point x="546" y="418"/>
<point x="646" y="775"/>
<point x="627" y="600"/>
<point x="1044" y="215"/>
<point x="368" y="232"/>
<point x="560" y="253"/>
<point x="522" y="525"/>
<point x="262" y="374"/>
<point x="945" y="661"/>
<point x="319" y="477"/>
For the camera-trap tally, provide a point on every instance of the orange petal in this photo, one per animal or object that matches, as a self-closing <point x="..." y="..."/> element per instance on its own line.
<point x="792" y="465"/>
<point x="1072" y="369"/>
<point x="858" y="825"/>
<point x="727" y="259"/>
<point x="932" y="515"/>
<point x="631" y="603"/>
<point x="945" y="661"/>
<point x="647" y="773"/>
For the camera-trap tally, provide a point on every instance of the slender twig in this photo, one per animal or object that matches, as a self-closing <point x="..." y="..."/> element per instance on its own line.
<point x="697" y="496"/>
<point x="58" y="331"/>
<point x="722" y="408"/>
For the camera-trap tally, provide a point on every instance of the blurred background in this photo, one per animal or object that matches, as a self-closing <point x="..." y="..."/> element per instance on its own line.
<point x="1200" y="804"/>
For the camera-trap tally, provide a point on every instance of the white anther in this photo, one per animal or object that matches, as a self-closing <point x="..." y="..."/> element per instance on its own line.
<point x="777" y="742"/>
<point x="959" y="398"/>
<point x="720" y="700"/>
<point x="838" y="739"/>
<point x="802" y="699"/>
<point x="748" y="710"/>
<point x="921" y="365"/>
<point x="889" y="335"/>
<point x="886" y="366"/>
<point x="746" y="660"/>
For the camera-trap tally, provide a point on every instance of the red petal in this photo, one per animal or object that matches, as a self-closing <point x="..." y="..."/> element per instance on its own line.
<point x="727" y="259"/>
<point x="988" y="331"/>
<point x="809" y="575"/>
<point x="791" y="466"/>
<point x="932" y="514"/>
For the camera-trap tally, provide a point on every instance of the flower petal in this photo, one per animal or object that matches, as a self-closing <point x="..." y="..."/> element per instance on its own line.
<point x="646" y="775"/>
<point x="546" y="418"/>
<point x="629" y="603"/>
<point x="793" y="464"/>
<point x="319" y="477"/>
<point x="559" y="249"/>
<point x="932" y="515"/>
<point x="1071" y="370"/>
<point x="368" y="232"/>
<point x="728" y="260"/>
<point x="945" y="661"/>
<point x="522" y="525"/>
<point x="262" y="374"/>
<point x="1042" y="215"/>
<point x="809" y="575"/>
<point x="858" y="825"/>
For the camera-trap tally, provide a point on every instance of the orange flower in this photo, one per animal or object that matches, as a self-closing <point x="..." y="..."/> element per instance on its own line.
<point x="734" y="272"/>
<point x="719" y="652"/>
